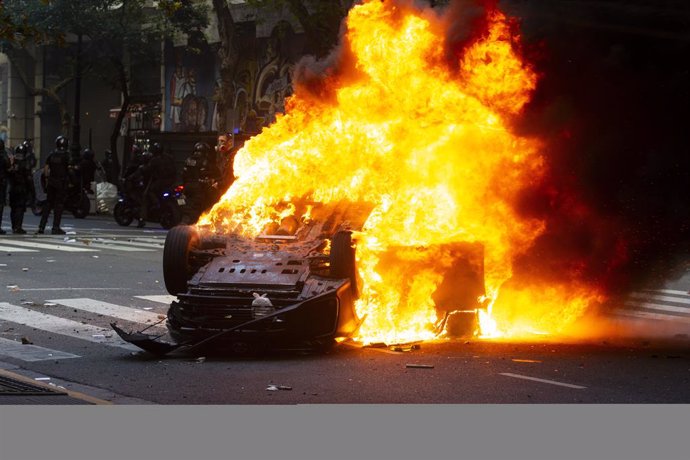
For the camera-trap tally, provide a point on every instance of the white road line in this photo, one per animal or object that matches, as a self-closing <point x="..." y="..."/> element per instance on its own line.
<point x="656" y="306"/>
<point x="152" y="240"/>
<point x="671" y="291"/>
<point x="9" y="249"/>
<point x="62" y="326"/>
<point x="109" y="309"/>
<point x="18" y="350"/>
<point x="55" y="247"/>
<point x="166" y="299"/>
<point x="642" y="295"/>
<point x="552" y="382"/>
<point x="648" y="315"/>
<point x="76" y="289"/>
<point x="114" y="246"/>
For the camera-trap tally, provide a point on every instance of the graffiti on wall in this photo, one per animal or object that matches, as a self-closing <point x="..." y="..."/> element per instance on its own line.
<point x="189" y="88"/>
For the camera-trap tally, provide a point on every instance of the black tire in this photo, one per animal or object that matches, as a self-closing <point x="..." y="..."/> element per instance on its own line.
<point x="123" y="214"/>
<point x="170" y="216"/>
<point x="176" y="268"/>
<point x="82" y="208"/>
<point x="342" y="259"/>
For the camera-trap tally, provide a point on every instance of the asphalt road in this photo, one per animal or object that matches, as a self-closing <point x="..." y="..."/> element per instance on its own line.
<point x="59" y="294"/>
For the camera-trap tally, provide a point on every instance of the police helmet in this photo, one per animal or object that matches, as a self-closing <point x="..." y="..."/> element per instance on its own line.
<point x="61" y="142"/>
<point x="156" y="149"/>
<point x="87" y="153"/>
<point x="20" y="152"/>
<point x="201" y="149"/>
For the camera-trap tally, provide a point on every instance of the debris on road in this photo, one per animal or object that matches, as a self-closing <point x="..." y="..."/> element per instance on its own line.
<point x="49" y="304"/>
<point x="26" y="341"/>
<point x="278" y="387"/>
<point x="25" y="269"/>
<point x="13" y="287"/>
<point x="201" y="359"/>
<point x="420" y="366"/>
<point x="405" y="348"/>
<point x="526" y="360"/>
<point x="375" y="345"/>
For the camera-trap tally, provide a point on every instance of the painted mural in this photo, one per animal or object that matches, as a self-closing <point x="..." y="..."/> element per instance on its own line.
<point x="261" y="84"/>
<point x="189" y="91"/>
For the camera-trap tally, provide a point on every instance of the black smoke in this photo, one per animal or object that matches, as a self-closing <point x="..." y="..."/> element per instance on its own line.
<point x="613" y="105"/>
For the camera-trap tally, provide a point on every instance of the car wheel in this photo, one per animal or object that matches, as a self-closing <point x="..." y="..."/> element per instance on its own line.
<point x="170" y="216"/>
<point x="123" y="214"/>
<point x="176" y="268"/>
<point x="342" y="259"/>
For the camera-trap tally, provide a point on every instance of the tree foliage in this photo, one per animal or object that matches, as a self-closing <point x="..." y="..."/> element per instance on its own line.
<point x="118" y="36"/>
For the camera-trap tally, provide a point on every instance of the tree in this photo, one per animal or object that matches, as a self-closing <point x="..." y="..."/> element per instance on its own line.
<point x="117" y="34"/>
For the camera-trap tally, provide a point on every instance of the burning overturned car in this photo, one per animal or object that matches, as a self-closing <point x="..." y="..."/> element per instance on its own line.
<point x="295" y="284"/>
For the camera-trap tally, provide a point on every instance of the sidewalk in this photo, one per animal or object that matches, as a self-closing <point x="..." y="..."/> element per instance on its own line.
<point x="16" y="389"/>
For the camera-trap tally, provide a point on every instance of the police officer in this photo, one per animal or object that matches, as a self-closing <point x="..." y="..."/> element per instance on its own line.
<point x="4" y="171"/>
<point x="31" y="161"/>
<point x="160" y="174"/>
<point x="88" y="167"/>
<point x="56" y="171"/>
<point x="200" y="176"/>
<point x="134" y="179"/>
<point x="20" y="181"/>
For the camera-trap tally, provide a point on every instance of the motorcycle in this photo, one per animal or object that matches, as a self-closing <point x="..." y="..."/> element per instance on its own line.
<point x="167" y="211"/>
<point x="76" y="200"/>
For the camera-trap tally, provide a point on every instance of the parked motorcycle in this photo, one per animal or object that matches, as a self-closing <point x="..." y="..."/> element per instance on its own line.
<point x="167" y="211"/>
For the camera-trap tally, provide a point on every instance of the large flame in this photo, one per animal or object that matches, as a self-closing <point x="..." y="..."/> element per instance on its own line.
<point x="428" y="145"/>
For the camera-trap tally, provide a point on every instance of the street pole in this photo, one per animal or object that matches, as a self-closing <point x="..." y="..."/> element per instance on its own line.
<point x="76" y="129"/>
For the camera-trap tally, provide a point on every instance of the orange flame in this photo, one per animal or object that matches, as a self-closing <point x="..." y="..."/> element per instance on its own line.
<point x="429" y="147"/>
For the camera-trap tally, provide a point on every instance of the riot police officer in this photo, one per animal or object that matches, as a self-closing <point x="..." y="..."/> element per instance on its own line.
<point x="200" y="176"/>
<point x="160" y="174"/>
<point x="4" y="171"/>
<point x="56" y="171"/>
<point x="135" y="179"/>
<point x="20" y="181"/>
<point x="31" y="161"/>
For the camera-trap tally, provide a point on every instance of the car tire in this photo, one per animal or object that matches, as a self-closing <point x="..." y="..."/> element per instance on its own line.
<point x="170" y="216"/>
<point x="176" y="268"/>
<point x="342" y="259"/>
<point x="123" y="214"/>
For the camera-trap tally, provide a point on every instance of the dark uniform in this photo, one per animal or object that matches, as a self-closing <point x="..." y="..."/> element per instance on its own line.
<point x="134" y="180"/>
<point x="88" y="167"/>
<point x="200" y="176"/>
<point x="20" y="182"/>
<point x="4" y="171"/>
<point x="159" y="173"/>
<point x="57" y="178"/>
<point x="32" y="161"/>
<point x="110" y="168"/>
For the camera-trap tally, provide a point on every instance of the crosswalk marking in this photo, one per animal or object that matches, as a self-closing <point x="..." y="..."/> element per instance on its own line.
<point x="152" y="240"/>
<point x="671" y="291"/>
<point x="144" y="245"/>
<point x="657" y="316"/>
<point x="166" y="299"/>
<point x="643" y="295"/>
<point x="76" y="245"/>
<point x="109" y="309"/>
<point x="55" y="247"/>
<point x="114" y="247"/>
<point x="656" y="306"/>
<point x="31" y="353"/>
<point x="11" y="249"/>
<point x="62" y="326"/>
